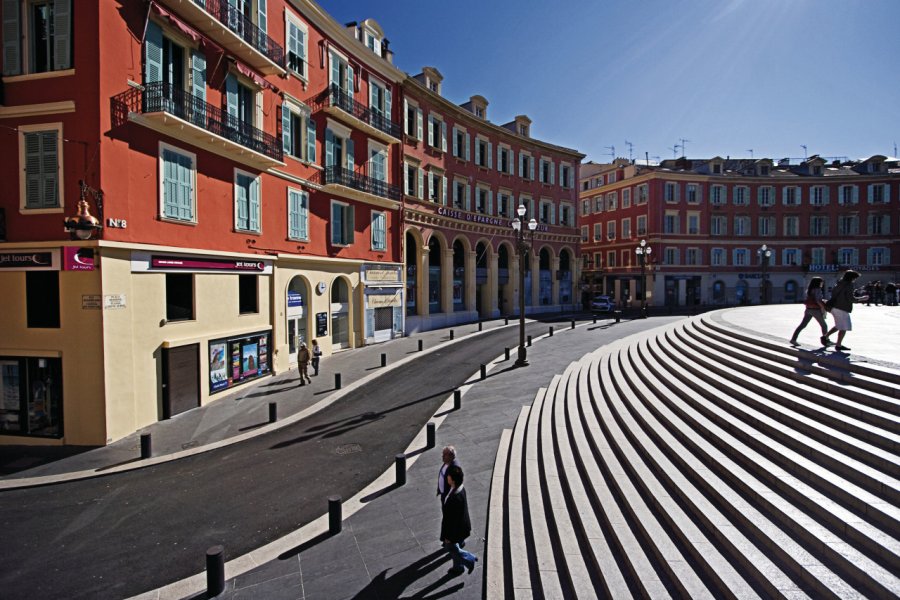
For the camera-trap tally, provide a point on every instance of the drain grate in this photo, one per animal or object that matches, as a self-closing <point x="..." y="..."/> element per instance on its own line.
<point x="348" y="449"/>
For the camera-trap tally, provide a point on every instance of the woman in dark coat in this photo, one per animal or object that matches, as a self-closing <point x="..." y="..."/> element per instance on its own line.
<point x="456" y="526"/>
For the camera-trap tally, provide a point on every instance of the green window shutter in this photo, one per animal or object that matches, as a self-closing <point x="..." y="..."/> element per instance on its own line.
<point x="262" y="16"/>
<point x="468" y="197"/>
<point x="499" y="159"/>
<point x="12" y="56"/>
<point x="185" y="196"/>
<point x="553" y="173"/>
<point x="231" y="100"/>
<point x="468" y="144"/>
<point x="387" y="104"/>
<point x="455" y="142"/>
<point x="198" y="69"/>
<point x="477" y="152"/>
<point x="350" y="149"/>
<point x="153" y="53"/>
<point x="420" y="190"/>
<point x="242" y="198"/>
<point x="490" y="202"/>
<point x="443" y="136"/>
<point x="430" y="130"/>
<point x="522" y="165"/>
<point x="444" y="191"/>
<point x="490" y="159"/>
<point x="170" y="184"/>
<point x="294" y="199"/>
<point x="287" y="138"/>
<point x="310" y="139"/>
<point x="329" y="148"/>
<point x="334" y="75"/>
<point x="337" y="226"/>
<point x="62" y="34"/>
<point x="419" y="123"/>
<point x="304" y="215"/>
<point x="254" y="204"/>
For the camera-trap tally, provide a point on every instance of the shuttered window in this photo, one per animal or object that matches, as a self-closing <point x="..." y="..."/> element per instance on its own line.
<point x="379" y="231"/>
<point x="298" y="214"/>
<point x="47" y="26"/>
<point x="41" y="154"/>
<point x="177" y="185"/>
<point x="246" y="197"/>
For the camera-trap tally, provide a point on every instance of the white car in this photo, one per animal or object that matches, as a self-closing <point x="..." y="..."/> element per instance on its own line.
<point x="603" y="304"/>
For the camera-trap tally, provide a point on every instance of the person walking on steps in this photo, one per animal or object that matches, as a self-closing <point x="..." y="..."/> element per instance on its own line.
<point x="841" y="304"/>
<point x="316" y="356"/>
<point x="815" y="309"/>
<point x="303" y="357"/>
<point x="456" y="525"/>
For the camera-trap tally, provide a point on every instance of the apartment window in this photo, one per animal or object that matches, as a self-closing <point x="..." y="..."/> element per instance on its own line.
<point x="379" y="100"/>
<point x="412" y="120"/>
<point x="240" y="104"/>
<point x="482" y="200"/>
<point x="248" y="294"/>
<point x="766" y="195"/>
<point x="598" y="232"/>
<point x="626" y="228"/>
<point x="41" y="162"/>
<point x="610" y="230"/>
<point x="848" y="256"/>
<point x="414" y="181"/>
<point x="504" y="160"/>
<point x="295" y="47"/>
<point x="483" y="152"/>
<point x="848" y="225"/>
<point x="612" y="200"/>
<point x="598" y="204"/>
<point x="790" y="257"/>
<point x="671" y="192"/>
<point x="37" y="39"/>
<point x="717" y="168"/>
<point x="642" y="225"/>
<point x="611" y="178"/>
<point x="878" y="256"/>
<point x="818" y="195"/>
<point x="437" y="188"/>
<point x="741" y="225"/>
<point x="692" y="256"/>
<point x="671" y="256"/>
<point x="340" y="149"/>
<point x="565" y="215"/>
<point x="377" y="167"/>
<point x="179" y="297"/>
<point x="598" y="260"/>
<point x="671" y="223"/>
<point x="461" y="143"/>
<point x="718" y="225"/>
<point x="546" y="215"/>
<point x="298" y="214"/>
<point x="766" y="226"/>
<point x="611" y="259"/>
<point x="246" y="202"/>
<point x="545" y="173"/>
<point x="879" y="193"/>
<point x="341" y="76"/>
<point x="585" y="207"/>
<point x="879" y="224"/>
<point x="626" y="198"/>
<point x="437" y="133"/>
<point x="848" y="194"/>
<point x="585" y="232"/>
<point x="817" y="256"/>
<point x="741" y="195"/>
<point x="693" y="223"/>
<point x="342" y="225"/>
<point x="717" y="257"/>
<point x="792" y="226"/>
<point x="717" y="195"/>
<point x="298" y="133"/>
<point x="461" y="195"/>
<point x="42" y="299"/>
<point x="741" y="256"/>
<point x="692" y="193"/>
<point x="526" y="166"/>
<point x="791" y="196"/>
<point x="503" y="204"/>
<point x="565" y="176"/>
<point x="819" y="225"/>
<point x="643" y="193"/>
<point x="379" y="230"/>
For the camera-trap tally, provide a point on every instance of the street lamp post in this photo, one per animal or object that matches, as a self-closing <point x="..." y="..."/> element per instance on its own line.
<point x="764" y="253"/>
<point x="643" y="253"/>
<point x="522" y="249"/>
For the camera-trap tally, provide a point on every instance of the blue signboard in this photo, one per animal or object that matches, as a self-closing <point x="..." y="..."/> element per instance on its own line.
<point x="294" y="299"/>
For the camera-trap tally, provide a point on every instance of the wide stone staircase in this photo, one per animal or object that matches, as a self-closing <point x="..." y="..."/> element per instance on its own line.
<point x="701" y="461"/>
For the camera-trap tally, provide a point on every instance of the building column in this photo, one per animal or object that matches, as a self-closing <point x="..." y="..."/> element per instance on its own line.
<point x="554" y="280"/>
<point x="422" y="283"/>
<point x="469" y="278"/>
<point x="447" y="281"/>
<point x="492" y="283"/>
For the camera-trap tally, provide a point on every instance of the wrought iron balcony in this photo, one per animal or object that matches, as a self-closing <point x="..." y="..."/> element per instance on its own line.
<point x="338" y="102"/>
<point x="335" y="175"/>
<point x="207" y="126"/>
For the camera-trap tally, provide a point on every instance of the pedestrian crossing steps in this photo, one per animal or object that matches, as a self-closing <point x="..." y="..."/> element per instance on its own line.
<point x="701" y="461"/>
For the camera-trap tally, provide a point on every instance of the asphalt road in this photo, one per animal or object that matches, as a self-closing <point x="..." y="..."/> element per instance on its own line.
<point x="117" y="536"/>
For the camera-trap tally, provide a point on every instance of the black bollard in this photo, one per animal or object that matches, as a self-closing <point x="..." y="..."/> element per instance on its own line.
<point x="146" y="446"/>
<point x="400" y="468"/>
<point x="551" y="332"/>
<point x="451" y="334"/>
<point x="215" y="571"/>
<point x="457" y="399"/>
<point x="429" y="435"/>
<point x="529" y="341"/>
<point x="383" y="359"/>
<point x="483" y="372"/>
<point x="573" y="323"/>
<point x="618" y="316"/>
<point x="335" y="522"/>
<point x="480" y="326"/>
<point x="420" y="345"/>
<point x="506" y="352"/>
<point x="273" y="412"/>
<point x="337" y="381"/>
<point x="506" y="320"/>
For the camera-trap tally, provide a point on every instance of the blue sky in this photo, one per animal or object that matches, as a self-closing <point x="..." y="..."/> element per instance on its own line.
<point x="727" y="75"/>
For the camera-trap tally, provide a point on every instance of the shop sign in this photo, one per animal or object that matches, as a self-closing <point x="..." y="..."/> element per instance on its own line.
<point x="206" y="264"/>
<point x="382" y="300"/>
<point x="26" y="261"/>
<point x="474" y="218"/>
<point x="321" y="324"/>
<point x="113" y="301"/>
<point x="91" y="301"/>
<point x="382" y="274"/>
<point x="833" y="268"/>
<point x="78" y="259"/>
<point x="294" y="299"/>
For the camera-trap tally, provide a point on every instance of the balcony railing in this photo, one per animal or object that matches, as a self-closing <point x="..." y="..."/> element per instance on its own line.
<point x="335" y="96"/>
<point x="166" y="98"/>
<point x="340" y="176"/>
<point x="244" y="28"/>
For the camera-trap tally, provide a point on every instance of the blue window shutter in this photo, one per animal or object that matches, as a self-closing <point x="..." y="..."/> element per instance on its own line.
<point x="62" y="34"/>
<point x="170" y="184"/>
<point x="310" y="139"/>
<point x="531" y="173"/>
<point x="263" y="18"/>
<point x="350" y="224"/>
<point x="443" y="136"/>
<point x="334" y="77"/>
<point x="12" y="57"/>
<point x="337" y="223"/>
<point x="185" y="188"/>
<point x="329" y="148"/>
<point x="490" y="157"/>
<point x="287" y="140"/>
<point x="231" y="99"/>
<point x="254" y="204"/>
<point x="350" y="81"/>
<point x="304" y="215"/>
<point x="455" y="142"/>
<point x="153" y="53"/>
<point x="198" y="67"/>
<point x="419" y="123"/>
<point x="301" y="50"/>
<point x="294" y="214"/>
<point x="387" y="103"/>
<point x="242" y="198"/>
<point x="430" y="130"/>
<point x="477" y="152"/>
<point x="350" y="149"/>
<point x="521" y="165"/>
<point x="373" y="96"/>
<point x="468" y="144"/>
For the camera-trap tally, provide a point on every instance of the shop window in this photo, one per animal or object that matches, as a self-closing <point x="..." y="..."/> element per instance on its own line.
<point x="248" y="294"/>
<point x="236" y="360"/>
<point x="31" y="394"/>
<point x="179" y="296"/>
<point x="42" y="298"/>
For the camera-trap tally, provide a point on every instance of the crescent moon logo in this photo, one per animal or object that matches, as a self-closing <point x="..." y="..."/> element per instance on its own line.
<point x="87" y="260"/>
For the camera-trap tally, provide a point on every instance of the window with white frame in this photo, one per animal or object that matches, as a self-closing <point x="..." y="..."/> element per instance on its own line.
<point x="340" y="149"/>
<point x="625" y="258"/>
<point x="482" y="200"/>
<point x="848" y="225"/>
<point x="461" y="143"/>
<point x="790" y="257"/>
<point x="298" y="132"/>
<point x="566" y="215"/>
<point x="643" y="193"/>
<point x="528" y="203"/>
<point x="484" y="150"/>
<point x="585" y="207"/>
<point x="766" y="226"/>
<point x="461" y="192"/>
<point x="380" y="102"/>
<point x="246" y="202"/>
<point x="504" y="160"/>
<point x="598" y="260"/>
<point x="671" y="256"/>
<point x="40" y="167"/>
<point x="565" y="176"/>
<point x="626" y="198"/>
<point x="437" y="187"/>
<point x="791" y="195"/>
<point x="819" y="225"/>
<point x="879" y="193"/>
<point x="37" y="36"/>
<point x="671" y="222"/>
<point x="670" y="192"/>
<point x="848" y="194"/>
<point x="342" y="223"/>
<point x="817" y="256"/>
<point x="611" y="178"/>
<point x="717" y="195"/>
<point x="379" y="230"/>
<point x="765" y="195"/>
<point x="504" y="203"/>
<point x="848" y="256"/>
<point x="437" y="132"/>
<point x="741" y="257"/>
<point x="545" y="171"/>
<point x="295" y="48"/>
<point x="598" y="232"/>
<point x="585" y="232"/>
<point x="599" y="204"/>
<point x="341" y="77"/>
<point x="878" y="256"/>
<point x="611" y="230"/>
<point x="372" y="41"/>
<point x="642" y="225"/>
<point x="741" y="195"/>
<point x="546" y="212"/>
<point x="412" y="120"/>
<point x="526" y="166"/>
<point x="692" y="256"/>
<point x="791" y="226"/>
<point x="717" y="257"/>
<point x="611" y="259"/>
<point x="741" y="225"/>
<point x="718" y="225"/>
<point x="298" y="214"/>
<point x="693" y="223"/>
<point x="626" y="228"/>
<point x="879" y="224"/>
<point x="377" y="165"/>
<point x="413" y="180"/>
<point x="612" y="200"/>
<point x="818" y="195"/>
<point x="692" y="193"/>
<point x="178" y="184"/>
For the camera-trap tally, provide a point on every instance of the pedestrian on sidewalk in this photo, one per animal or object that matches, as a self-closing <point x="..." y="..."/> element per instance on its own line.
<point x="449" y="456"/>
<point x="456" y="525"/>
<point x="316" y="355"/>
<point x="815" y="309"/>
<point x="303" y="357"/>
<point x="842" y="299"/>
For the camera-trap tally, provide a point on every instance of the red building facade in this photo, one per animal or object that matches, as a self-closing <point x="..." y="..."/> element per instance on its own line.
<point x="727" y="231"/>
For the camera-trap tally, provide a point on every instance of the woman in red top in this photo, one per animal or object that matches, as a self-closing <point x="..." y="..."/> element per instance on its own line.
<point x="815" y="309"/>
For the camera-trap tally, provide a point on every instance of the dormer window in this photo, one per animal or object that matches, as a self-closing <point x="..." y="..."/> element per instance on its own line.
<point x="817" y="170"/>
<point x="874" y="167"/>
<point x="523" y="130"/>
<point x="717" y="168"/>
<point x="479" y="112"/>
<point x="764" y="169"/>
<point x="373" y="43"/>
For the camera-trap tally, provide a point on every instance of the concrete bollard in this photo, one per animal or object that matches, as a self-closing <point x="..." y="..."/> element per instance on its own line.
<point x="457" y="399"/>
<point x="146" y="446"/>
<point x="420" y="345"/>
<point x="551" y="332"/>
<point x="215" y="571"/>
<point x="529" y="341"/>
<point x="383" y="359"/>
<point x="430" y="434"/>
<point x="335" y="521"/>
<point x="337" y="381"/>
<point x="506" y="353"/>
<point x="400" y="468"/>
<point x="483" y="372"/>
<point x="273" y="412"/>
<point x="451" y="334"/>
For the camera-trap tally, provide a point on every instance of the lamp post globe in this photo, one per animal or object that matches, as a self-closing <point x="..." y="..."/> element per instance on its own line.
<point x="764" y="253"/>
<point x="643" y="253"/>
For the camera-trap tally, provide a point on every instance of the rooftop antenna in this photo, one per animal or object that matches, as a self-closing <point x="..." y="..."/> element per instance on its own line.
<point x="656" y="158"/>
<point x="612" y="151"/>
<point x="805" y="156"/>
<point x="895" y="149"/>
<point x="683" y="149"/>
<point x="674" y="150"/>
<point x="630" y="147"/>
<point x="750" y="150"/>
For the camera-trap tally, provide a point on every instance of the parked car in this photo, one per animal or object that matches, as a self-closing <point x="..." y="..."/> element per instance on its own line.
<point x="603" y="304"/>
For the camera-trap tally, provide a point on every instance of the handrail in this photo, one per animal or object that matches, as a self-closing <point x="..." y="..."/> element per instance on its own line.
<point x="346" y="177"/>
<point x="335" y="96"/>
<point x="246" y="29"/>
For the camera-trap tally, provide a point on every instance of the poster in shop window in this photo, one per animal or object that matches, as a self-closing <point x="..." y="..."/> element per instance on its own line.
<point x="9" y="395"/>
<point x="236" y="362"/>
<point x="263" y="361"/>
<point x="251" y="360"/>
<point x="218" y="372"/>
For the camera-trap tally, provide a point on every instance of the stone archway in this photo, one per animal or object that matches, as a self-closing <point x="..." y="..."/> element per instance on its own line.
<point x="297" y="314"/>
<point x="341" y="305"/>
